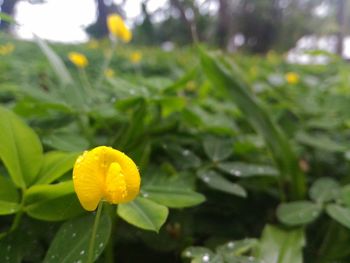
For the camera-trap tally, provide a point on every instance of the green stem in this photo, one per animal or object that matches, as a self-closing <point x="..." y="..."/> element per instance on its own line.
<point x="93" y="235"/>
<point x="109" y="252"/>
<point x="105" y="64"/>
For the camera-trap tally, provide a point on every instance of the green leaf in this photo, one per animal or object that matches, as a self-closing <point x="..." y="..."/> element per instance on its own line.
<point x="231" y="80"/>
<point x="218" y="182"/>
<point x="55" y="164"/>
<point x="71" y="242"/>
<point x="240" y="169"/>
<point x="320" y="141"/>
<point x="52" y="202"/>
<point x="237" y="248"/>
<point x="324" y="190"/>
<point x="55" y="61"/>
<point x="8" y="191"/>
<point x="298" y="213"/>
<point x="8" y="208"/>
<point x="20" y="149"/>
<point x="143" y="213"/>
<point x="217" y="149"/>
<point x="66" y="142"/>
<point x="172" y="196"/>
<point x="339" y="214"/>
<point x="345" y="195"/>
<point x="281" y="246"/>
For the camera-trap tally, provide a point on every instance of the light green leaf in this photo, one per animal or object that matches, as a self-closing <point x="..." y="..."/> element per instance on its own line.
<point x="8" y="208"/>
<point x="281" y="246"/>
<point x="55" y="61"/>
<point x="217" y="149"/>
<point x="20" y="149"/>
<point x="298" y="213"/>
<point x="229" y="78"/>
<point x="218" y="182"/>
<point x="52" y="202"/>
<point x="339" y="214"/>
<point x="324" y="189"/>
<point x="172" y="196"/>
<point x="55" y="164"/>
<point x="240" y="169"/>
<point x="144" y="213"/>
<point x="71" y="242"/>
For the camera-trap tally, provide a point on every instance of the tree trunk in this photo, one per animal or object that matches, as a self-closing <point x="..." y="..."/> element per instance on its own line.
<point x="190" y="24"/>
<point x="223" y="26"/>
<point x="341" y="26"/>
<point x="7" y="7"/>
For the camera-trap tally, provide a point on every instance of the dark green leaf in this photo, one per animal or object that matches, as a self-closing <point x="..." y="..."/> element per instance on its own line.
<point x="324" y="189"/>
<point x="172" y="196"/>
<point x="240" y="169"/>
<point x="217" y="149"/>
<point x="298" y="213"/>
<point x="339" y="214"/>
<point x="71" y="242"/>
<point x="218" y="182"/>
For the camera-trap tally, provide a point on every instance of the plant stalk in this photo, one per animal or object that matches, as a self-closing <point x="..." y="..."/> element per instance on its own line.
<point x="93" y="235"/>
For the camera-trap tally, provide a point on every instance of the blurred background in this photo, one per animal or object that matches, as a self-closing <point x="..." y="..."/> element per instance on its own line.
<point x="255" y="26"/>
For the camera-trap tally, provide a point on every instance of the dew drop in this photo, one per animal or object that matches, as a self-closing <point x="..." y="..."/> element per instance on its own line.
<point x="100" y="245"/>
<point x="113" y="99"/>
<point x="185" y="152"/>
<point x="82" y="252"/>
<point x="188" y="254"/>
<point x="206" y="179"/>
<point x="230" y="244"/>
<point x="145" y="194"/>
<point x="235" y="172"/>
<point x="79" y="261"/>
<point x="205" y="258"/>
<point x="53" y="256"/>
<point x="8" y="248"/>
<point x="74" y="234"/>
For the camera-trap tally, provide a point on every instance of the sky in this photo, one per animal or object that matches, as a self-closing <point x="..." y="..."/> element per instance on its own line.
<point x="45" y="20"/>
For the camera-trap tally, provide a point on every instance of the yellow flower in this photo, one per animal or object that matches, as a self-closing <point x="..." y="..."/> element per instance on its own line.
<point x="292" y="78"/>
<point x="135" y="57"/>
<point x="109" y="73"/>
<point x="78" y="59"/>
<point x="117" y="27"/>
<point x="7" y="49"/>
<point x="105" y="174"/>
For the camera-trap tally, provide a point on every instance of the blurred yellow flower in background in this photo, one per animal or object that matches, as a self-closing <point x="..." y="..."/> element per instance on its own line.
<point x="136" y="57"/>
<point x="292" y="78"/>
<point x="105" y="174"/>
<point x="7" y="49"/>
<point x="109" y="73"/>
<point x="117" y="27"/>
<point x="78" y="59"/>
